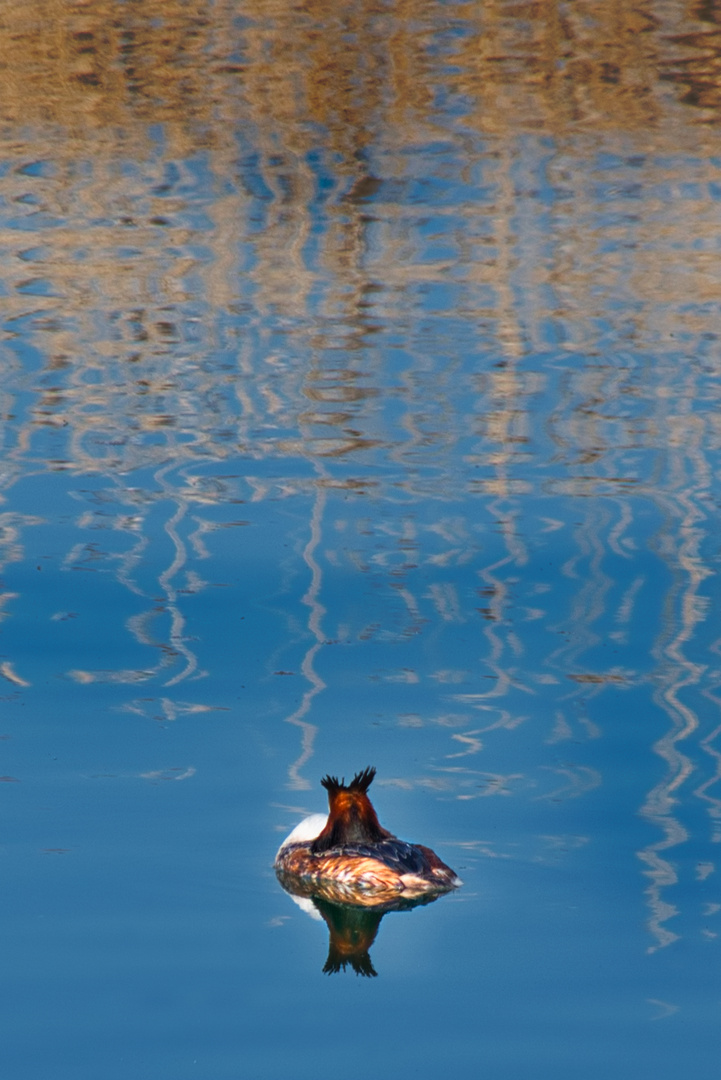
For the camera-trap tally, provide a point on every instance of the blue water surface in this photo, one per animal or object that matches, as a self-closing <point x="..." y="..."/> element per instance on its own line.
<point x="314" y="460"/>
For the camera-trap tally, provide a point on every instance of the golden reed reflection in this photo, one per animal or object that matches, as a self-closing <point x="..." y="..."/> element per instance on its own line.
<point x="93" y="66"/>
<point x="89" y="89"/>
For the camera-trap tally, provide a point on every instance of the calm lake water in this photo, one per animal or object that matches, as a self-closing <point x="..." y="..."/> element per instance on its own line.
<point x="360" y="405"/>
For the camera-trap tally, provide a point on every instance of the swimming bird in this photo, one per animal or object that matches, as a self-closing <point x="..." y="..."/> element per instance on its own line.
<point x="347" y="856"/>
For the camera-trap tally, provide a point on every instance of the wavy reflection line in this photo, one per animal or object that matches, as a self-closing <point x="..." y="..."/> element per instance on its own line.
<point x="8" y="672"/>
<point x="137" y="625"/>
<point x="131" y="524"/>
<point x="506" y="719"/>
<point x="665" y="1008"/>
<point x="315" y="616"/>
<point x="497" y="592"/>
<point x="588" y="605"/>
<point x="677" y="670"/>
<point x="616" y="534"/>
<point x="709" y="748"/>
<point x="580" y="780"/>
<point x="177" y="619"/>
<point x="703" y="790"/>
<point x="471" y="742"/>
<point x="627" y="606"/>
<point x="176" y="646"/>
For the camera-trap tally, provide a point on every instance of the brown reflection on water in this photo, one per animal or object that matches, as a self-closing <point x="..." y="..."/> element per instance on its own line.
<point x="551" y="65"/>
<point x="523" y="67"/>
<point x="101" y="99"/>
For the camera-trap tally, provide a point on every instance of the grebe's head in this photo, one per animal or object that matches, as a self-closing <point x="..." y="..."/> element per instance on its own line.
<point x="352" y="819"/>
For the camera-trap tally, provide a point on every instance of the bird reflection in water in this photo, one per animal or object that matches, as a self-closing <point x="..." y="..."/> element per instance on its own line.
<point x="345" y="868"/>
<point x="352" y="929"/>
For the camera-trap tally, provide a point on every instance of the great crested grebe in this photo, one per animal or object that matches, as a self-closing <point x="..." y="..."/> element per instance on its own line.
<point x="348" y="856"/>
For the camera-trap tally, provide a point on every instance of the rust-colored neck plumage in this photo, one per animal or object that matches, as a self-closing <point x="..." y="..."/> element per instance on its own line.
<point x="352" y="819"/>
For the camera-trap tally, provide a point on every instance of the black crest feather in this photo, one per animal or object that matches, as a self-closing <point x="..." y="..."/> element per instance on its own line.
<point x="360" y="782"/>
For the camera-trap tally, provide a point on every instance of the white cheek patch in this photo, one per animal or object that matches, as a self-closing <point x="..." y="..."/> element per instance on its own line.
<point x="306" y="831"/>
